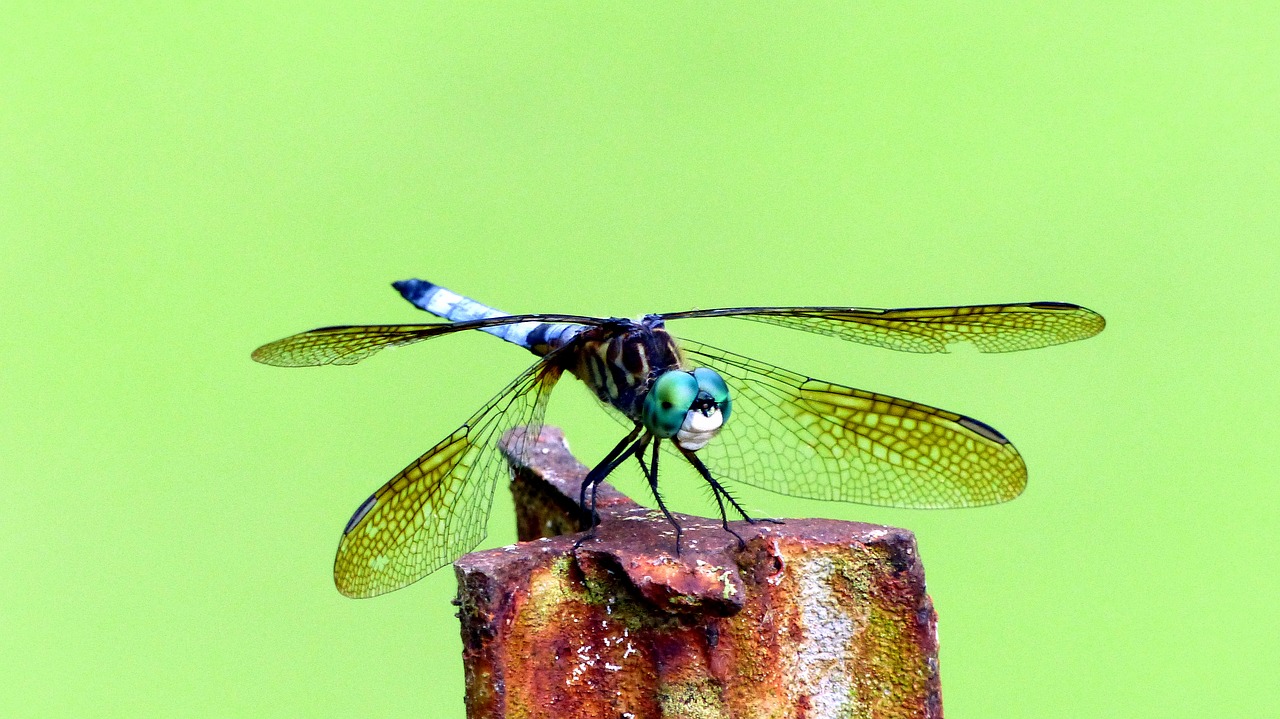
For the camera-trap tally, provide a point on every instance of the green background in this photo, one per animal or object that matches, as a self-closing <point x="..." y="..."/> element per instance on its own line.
<point x="179" y="184"/>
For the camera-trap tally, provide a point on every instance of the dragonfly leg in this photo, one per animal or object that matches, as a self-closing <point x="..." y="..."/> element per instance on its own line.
<point x="718" y="490"/>
<point x="619" y="454"/>
<point x="644" y="466"/>
<point x="652" y="475"/>
<point x="597" y="474"/>
<point x="653" y="484"/>
<point x="724" y="518"/>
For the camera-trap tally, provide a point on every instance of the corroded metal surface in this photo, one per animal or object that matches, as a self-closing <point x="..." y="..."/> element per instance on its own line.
<point x="813" y="618"/>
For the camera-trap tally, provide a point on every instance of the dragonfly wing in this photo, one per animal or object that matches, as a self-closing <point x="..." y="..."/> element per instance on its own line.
<point x="437" y="508"/>
<point x="341" y="345"/>
<point x="990" y="328"/>
<point x="350" y="344"/>
<point x="798" y="436"/>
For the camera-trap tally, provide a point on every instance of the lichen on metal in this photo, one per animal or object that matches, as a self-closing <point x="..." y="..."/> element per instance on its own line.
<point x="821" y="663"/>
<point x="812" y="618"/>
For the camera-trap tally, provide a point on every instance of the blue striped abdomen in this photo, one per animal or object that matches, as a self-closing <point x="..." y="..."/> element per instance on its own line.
<point x="537" y="337"/>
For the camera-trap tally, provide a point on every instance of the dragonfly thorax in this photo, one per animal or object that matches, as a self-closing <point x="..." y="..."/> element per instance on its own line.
<point x="620" y="361"/>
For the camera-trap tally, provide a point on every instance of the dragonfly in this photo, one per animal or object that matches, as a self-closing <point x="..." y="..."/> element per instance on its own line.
<point x="752" y="422"/>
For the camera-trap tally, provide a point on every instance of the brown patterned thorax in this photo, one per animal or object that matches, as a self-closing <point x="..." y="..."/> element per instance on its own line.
<point x="620" y="361"/>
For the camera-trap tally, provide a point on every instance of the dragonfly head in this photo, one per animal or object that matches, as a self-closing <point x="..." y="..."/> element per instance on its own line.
<point x="687" y="407"/>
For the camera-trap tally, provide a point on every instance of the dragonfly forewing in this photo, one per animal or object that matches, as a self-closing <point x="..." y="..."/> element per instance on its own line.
<point x="990" y="328"/>
<point x="802" y="437"/>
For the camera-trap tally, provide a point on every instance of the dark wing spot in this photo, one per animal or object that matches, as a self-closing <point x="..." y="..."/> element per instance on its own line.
<point x="359" y="515"/>
<point x="983" y="429"/>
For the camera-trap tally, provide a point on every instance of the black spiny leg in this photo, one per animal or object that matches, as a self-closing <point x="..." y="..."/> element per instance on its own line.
<point x="724" y="518"/>
<point x="616" y="456"/>
<point x="718" y="490"/>
<point x="602" y="470"/>
<point x="644" y="467"/>
<point x="652" y="474"/>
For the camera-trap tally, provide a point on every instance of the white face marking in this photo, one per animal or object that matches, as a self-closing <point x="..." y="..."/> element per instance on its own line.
<point x="699" y="428"/>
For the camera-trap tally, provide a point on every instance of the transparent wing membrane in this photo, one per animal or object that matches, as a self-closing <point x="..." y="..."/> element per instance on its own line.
<point x="341" y="345"/>
<point x="437" y="508"/>
<point x="990" y="328"/>
<point x="350" y="344"/>
<point x="802" y="437"/>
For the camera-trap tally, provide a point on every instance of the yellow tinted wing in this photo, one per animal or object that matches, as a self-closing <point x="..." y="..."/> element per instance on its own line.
<point x="990" y="328"/>
<point x="802" y="437"/>
<point x="437" y="508"/>
<point x="350" y="344"/>
<point x="340" y="345"/>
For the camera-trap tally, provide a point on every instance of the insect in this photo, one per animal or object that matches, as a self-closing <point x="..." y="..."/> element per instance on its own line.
<point x="754" y="423"/>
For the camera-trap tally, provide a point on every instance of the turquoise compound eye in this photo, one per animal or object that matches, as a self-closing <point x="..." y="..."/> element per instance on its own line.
<point x="668" y="401"/>
<point x="710" y="382"/>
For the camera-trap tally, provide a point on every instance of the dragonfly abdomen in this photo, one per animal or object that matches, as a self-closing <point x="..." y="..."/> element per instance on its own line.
<point x="617" y="359"/>
<point x="537" y="337"/>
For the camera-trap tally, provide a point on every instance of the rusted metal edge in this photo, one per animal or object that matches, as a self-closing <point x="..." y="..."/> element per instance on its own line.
<point x="812" y="618"/>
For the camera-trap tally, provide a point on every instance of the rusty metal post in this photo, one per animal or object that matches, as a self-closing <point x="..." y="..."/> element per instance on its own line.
<point x="814" y="618"/>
